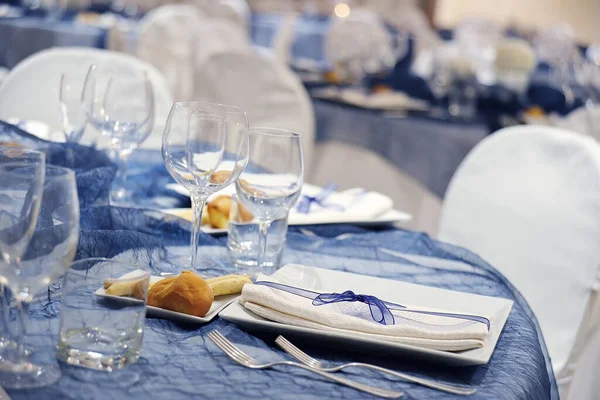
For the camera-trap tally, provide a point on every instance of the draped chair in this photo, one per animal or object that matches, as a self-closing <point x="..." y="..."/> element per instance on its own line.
<point x="526" y="199"/>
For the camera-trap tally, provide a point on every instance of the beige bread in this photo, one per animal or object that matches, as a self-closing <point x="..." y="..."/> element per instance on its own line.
<point x="228" y="284"/>
<point x="186" y="293"/>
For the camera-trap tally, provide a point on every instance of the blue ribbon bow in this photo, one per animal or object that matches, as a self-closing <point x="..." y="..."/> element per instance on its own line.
<point x="307" y="201"/>
<point x="380" y="309"/>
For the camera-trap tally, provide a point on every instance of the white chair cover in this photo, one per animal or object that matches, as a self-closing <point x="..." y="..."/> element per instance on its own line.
<point x="526" y="199"/>
<point x="268" y="6"/>
<point x="236" y="11"/>
<point x="268" y="91"/>
<point x="371" y="171"/>
<point x="167" y="40"/>
<point x="30" y="91"/>
<point x="216" y="36"/>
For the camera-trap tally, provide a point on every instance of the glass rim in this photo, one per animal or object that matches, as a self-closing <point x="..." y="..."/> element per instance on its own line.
<point x="224" y="108"/>
<point x="147" y="272"/>
<point x="66" y="172"/>
<point x="275" y="132"/>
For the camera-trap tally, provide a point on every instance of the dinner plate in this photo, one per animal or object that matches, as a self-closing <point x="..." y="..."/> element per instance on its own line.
<point x="324" y="280"/>
<point x="219" y="303"/>
<point x="387" y="218"/>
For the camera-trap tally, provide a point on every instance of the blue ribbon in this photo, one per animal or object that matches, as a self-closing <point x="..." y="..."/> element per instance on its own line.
<point x="380" y="309"/>
<point x="307" y="201"/>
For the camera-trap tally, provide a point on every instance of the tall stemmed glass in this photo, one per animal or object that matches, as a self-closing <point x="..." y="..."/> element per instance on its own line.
<point x="123" y="108"/>
<point x="271" y="183"/>
<point x="9" y="218"/>
<point x="49" y="254"/>
<point x="205" y="148"/>
<point x="76" y="101"/>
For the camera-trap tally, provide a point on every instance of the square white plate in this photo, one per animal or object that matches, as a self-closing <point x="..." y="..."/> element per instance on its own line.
<point x="324" y="280"/>
<point x="387" y="218"/>
<point x="218" y="304"/>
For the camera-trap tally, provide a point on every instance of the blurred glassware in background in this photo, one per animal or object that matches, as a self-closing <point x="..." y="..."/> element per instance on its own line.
<point x="243" y="244"/>
<point x="76" y="101"/>
<point x="514" y="64"/>
<point x="55" y="9"/>
<point x="205" y="148"/>
<point x="10" y="217"/>
<point x="122" y="108"/>
<point x="48" y="255"/>
<point x="272" y="180"/>
<point x="476" y="39"/>
<point x="97" y="331"/>
<point x="462" y="96"/>
<point x="360" y="44"/>
<point x="555" y="46"/>
<point x="439" y="80"/>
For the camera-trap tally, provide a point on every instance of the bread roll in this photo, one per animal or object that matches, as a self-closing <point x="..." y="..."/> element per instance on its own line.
<point x="186" y="293"/>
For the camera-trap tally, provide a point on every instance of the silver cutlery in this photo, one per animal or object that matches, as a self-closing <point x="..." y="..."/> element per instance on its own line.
<point x="301" y="356"/>
<point x="242" y="358"/>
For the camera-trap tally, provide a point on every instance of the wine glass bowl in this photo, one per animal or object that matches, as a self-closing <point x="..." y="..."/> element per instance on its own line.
<point x="205" y="148"/>
<point x="76" y="102"/>
<point x="49" y="253"/>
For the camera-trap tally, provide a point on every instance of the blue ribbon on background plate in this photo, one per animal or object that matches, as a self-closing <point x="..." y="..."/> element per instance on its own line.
<point x="380" y="309"/>
<point x="307" y="201"/>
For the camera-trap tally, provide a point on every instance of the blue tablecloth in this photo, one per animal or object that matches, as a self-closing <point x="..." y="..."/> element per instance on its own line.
<point x="178" y="362"/>
<point x="430" y="150"/>
<point x="21" y="37"/>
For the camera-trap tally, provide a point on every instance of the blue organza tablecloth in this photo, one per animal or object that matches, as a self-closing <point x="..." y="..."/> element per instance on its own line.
<point x="178" y="362"/>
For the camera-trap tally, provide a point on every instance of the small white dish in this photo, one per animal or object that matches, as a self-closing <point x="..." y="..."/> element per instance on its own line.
<point x="218" y="304"/>
<point x="324" y="280"/>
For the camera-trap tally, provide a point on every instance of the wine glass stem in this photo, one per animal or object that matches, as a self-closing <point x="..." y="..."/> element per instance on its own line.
<point x="198" y="202"/>
<point x="22" y="315"/>
<point x="263" y="228"/>
<point x="4" y="310"/>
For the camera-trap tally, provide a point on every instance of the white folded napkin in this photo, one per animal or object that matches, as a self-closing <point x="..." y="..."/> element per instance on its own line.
<point x="430" y="331"/>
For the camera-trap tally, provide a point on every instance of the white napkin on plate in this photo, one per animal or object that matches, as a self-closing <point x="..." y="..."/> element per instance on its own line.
<point x="430" y="331"/>
<point x="347" y="206"/>
<point x="391" y="100"/>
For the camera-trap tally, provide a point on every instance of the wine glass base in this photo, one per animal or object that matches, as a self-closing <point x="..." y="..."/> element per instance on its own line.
<point x="28" y="376"/>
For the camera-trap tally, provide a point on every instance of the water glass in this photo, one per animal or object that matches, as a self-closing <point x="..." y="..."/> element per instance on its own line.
<point x="98" y="331"/>
<point x="242" y="241"/>
<point x="76" y="101"/>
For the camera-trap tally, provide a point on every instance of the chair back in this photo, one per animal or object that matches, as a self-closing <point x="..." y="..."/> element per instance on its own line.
<point x="527" y="200"/>
<point x="268" y="91"/>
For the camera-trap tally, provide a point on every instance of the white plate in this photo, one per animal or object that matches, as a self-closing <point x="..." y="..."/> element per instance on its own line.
<point x="387" y="218"/>
<point x="218" y="304"/>
<point x="324" y="280"/>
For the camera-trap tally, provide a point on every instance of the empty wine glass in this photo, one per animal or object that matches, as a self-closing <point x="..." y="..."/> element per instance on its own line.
<point x="76" y="101"/>
<point x="13" y="193"/>
<point x="205" y="148"/>
<point x="439" y="81"/>
<point x="271" y="182"/>
<point x="49" y="253"/>
<point x="123" y="108"/>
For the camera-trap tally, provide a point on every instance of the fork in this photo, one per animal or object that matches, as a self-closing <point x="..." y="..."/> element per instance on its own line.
<point x="242" y="358"/>
<point x="301" y="356"/>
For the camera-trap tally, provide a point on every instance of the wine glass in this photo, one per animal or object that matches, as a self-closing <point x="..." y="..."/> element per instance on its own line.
<point x="439" y="81"/>
<point x="9" y="156"/>
<point x="271" y="183"/>
<point x="49" y="254"/>
<point x="205" y="148"/>
<point x="76" y="101"/>
<point x="123" y="109"/>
